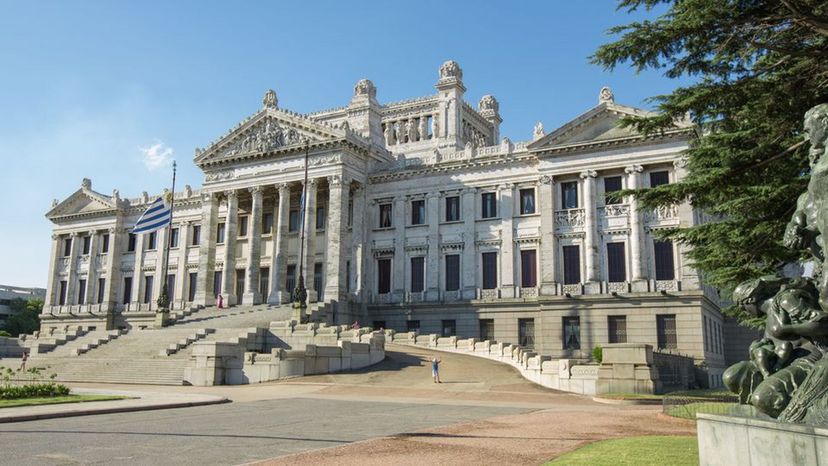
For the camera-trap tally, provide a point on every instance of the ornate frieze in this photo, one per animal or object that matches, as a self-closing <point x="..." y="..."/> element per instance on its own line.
<point x="570" y="218"/>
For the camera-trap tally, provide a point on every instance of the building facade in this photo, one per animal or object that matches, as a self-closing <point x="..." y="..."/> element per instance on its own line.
<point x="419" y="216"/>
<point x="10" y="293"/>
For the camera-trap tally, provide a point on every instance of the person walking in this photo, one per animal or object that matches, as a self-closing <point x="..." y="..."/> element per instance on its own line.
<point x="435" y="369"/>
<point x="23" y="362"/>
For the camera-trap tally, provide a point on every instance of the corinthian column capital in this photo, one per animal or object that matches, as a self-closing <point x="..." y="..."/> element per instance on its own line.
<point x="630" y="169"/>
<point x="587" y="174"/>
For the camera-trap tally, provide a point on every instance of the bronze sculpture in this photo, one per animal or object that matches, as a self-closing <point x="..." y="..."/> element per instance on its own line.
<point x="787" y="374"/>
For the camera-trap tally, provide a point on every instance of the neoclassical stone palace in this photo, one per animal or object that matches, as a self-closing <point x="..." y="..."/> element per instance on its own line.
<point x="419" y="216"/>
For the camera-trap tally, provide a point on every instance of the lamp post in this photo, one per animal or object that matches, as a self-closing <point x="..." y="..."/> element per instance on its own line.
<point x="300" y="294"/>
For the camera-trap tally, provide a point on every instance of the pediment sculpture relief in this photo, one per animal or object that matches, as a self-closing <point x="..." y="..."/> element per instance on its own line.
<point x="264" y="136"/>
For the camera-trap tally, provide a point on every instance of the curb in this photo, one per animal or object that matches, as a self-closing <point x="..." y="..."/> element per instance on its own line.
<point x="122" y="409"/>
<point x="640" y="402"/>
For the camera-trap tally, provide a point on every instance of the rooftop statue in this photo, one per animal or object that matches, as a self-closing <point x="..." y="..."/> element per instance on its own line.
<point x="787" y="374"/>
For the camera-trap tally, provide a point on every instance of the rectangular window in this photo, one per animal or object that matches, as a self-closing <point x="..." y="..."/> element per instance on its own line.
<point x="217" y="279"/>
<point x="663" y="252"/>
<point x="417" y="274"/>
<point x="347" y="276"/>
<point x="385" y="216"/>
<point x="666" y="327"/>
<point x="317" y="280"/>
<point x="528" y="269"/>
<point x="151" y="241"/>
<point x="267" y="223"/>
<point x="220" y="233"/>
<point x="569" y="195"/>
<point x="239" y="284"/>
<point x="293" y="220"/>
<point x="487" y="329"/>
<point x="264" y="283"/>
<point x="67" y="247"/>
<point x="127" y="290"/>
<point x="418" y="212"/>
<point x="105" y="243"/>
<point x="526" y="333"/>
<point x="449" y="328"/>
<point x="571" y="265"/>
<point x="383" y="276"/>
<point x="131" y="242"/>
<point x="452" y="272"/>
<point x="452" y="209"/>
<point x="174" y="237"/>
<point x="290" y="279"/>
<point x="571" y="333"/>
<point x="350" y="212"/>
<point x="489" y="205"/>
<point x="81" y="291"/>
<point x="412" y="326"/>
<point x="612" y="184"/>
<point x="62" y="294"/>
<point x="101" y="288"/>
<point x="320" y="218"/>
<point x="242" y="227"/>
<point x="193" y="284"/>
<point x="87" y="242"/>
<point x="616" y="263"/>
<point x="196" y="239"/>
<point x="527" y="201"/>
<point x="659" y="178"/>
<point x="148" y="288"/>
<point x="171" y="286"/>
<point x="489" y="260"/>
<point x="617" y="329"/>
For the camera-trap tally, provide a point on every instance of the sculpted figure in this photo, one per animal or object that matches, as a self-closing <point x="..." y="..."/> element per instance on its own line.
<point x="389" y="134"/>
<point x="411" y="130"/>
<point x="423" y="128"/>
<point x="399" y="133"/>
<point x="435" y="127"/>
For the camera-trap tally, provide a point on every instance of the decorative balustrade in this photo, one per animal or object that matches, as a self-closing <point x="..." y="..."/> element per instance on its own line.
<point x="570" y="218"/>
<point x="614" y="210"/>
<point x="574" y="288"/>
<point x="618" y="287"/>
<point x="492" y="293"/>
<point x="451" y="295"/>
<point x="666" y="285"/>
<point x="529" y="292"/>
<point x="383" y="298"/>
<point x="663" y="214"/>
<point x="414" y="297"/>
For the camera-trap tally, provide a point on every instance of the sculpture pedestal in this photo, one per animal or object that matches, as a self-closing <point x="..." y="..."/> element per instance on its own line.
<point x="729" y="440"/>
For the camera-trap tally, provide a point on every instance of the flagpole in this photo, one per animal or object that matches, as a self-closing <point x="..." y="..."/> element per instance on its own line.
<point x="164" y="300"/>
<point x="300" y="293"/>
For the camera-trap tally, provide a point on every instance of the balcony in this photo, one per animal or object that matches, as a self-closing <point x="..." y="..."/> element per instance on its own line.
<point x="570" y="219"/>
<point x="664" y="215"/>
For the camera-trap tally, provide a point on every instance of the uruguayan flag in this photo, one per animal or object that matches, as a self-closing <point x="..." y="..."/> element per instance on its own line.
<point x="157" y="216"/>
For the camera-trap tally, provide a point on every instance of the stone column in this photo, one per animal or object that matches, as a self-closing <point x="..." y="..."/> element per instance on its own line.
<point x="638" y="277"/>
<point x="398" y="278"/>
<point x="278" y="264"/>
<point x="358" y="257"/>
<point x="684" y="272"/>
<point x="138" y="272"/>
<point x="91" y="272"/>
<point x="592" y="282"/>
<point x="310" y="238"/>
<point x="160" y="277"/>
<point x="334" y="248"/>
<point x="507" y="245"/>
<point x="181" y="268"/>
<point x="432" y="268"/>
<point x="228" y="272"/>
<point x="207" y="251"/>
<point x="252" y="294"/>
<point x="469" y="259"/>
<point x="548" y="242"/>
<point x="51" y="279"/>
<point x="71" y="284"/>
<point x="112" y="277"/>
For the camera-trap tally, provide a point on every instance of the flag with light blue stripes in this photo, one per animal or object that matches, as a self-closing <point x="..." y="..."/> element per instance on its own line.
<point x="156" y="216"/>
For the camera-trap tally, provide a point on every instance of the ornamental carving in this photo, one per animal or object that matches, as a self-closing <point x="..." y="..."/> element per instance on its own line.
<point x="264" y="136"/>
<point x="365" y="87"/>
<point x="571" y="218"/>
<point x="488" y="102"/>
<point x="606" y="95"/>
<point x="450" y="70"/>
<point x="269" y="100"/>
<point x="325" y="160"/>
<point x="220" y="175"/>
<point x="537" y="132"/>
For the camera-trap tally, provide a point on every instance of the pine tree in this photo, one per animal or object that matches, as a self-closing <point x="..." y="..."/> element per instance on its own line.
<point x="756" y="66"/>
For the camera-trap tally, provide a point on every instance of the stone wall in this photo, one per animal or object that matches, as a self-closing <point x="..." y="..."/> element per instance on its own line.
<point x="11" y="347"/>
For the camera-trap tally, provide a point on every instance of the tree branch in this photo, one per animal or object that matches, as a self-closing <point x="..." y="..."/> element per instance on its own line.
<point x="817" y="24"/>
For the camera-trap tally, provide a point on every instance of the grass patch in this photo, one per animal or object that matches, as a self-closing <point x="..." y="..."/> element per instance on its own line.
<point x="630" y="396"/>
<point x="700" y="394"/>
<point x="689" y="410"/>
<point x="635" y="451"/>
<point x="51" y="400"/>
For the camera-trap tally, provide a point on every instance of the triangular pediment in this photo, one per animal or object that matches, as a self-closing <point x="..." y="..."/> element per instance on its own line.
<point x="82" y="201"/>
<point x="600" y="123"/>
<point x="269" y="130"/>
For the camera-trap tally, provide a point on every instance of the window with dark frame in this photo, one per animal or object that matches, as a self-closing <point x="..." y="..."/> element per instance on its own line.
<point x="105" y="244"/>
<point x="452" y="208"/>
<point x="452" y="272"/>
<point x="127" y="290"/>
<point x="174" y="237"/>
<point x="131" y="242"/>
<point x="489" y="262"/>
<point x="242" y="227"/>
<point x="267" y="223"/>
<point x="528" y="268"/>
<point x="385" y="215"/>
<point x="101" y="289"/>
<point x="193" y="284"/>
<point x="571" y="333"/>
<point x="569" y="195"/>
<point x="67" y="247"/>
<point x="616" y="263"/>
<point x="417" y="274"/>
<point x="663" y="256"/>
<point x="220" y="233"/>
<point x="62" y="293"/>
<point x="383" y="276"/>
<point x="449" y="328"/>
<point x="418" y="212"/>
<point x="612" y="185"/>
<point x="148" y="282"/>
<point x="527" y="201"/>
<point x="151" y="241"/>
<point x="412" y="326"/>
<point x="293" y="221"/>
<point x="196" y="239"/>
<point x="571" y="264"/>
<point x="617" y="329"/>
<point x="320" y="218"/>
<point x="290" y="278"/>
<point x="486" y="329"/>
<point x="666" y="329"/>
<point x="526" y="333"/>
<point x="81" y="291"/>
<point x="489" y="205"/>
<point x="87" y="242"/>
<point x="659" y="178"/>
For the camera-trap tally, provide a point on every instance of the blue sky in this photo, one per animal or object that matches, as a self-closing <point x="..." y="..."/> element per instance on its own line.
<point x="97" y="88"/>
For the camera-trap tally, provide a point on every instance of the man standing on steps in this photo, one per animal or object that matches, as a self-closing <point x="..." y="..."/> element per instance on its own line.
<point x="435" y="369"/>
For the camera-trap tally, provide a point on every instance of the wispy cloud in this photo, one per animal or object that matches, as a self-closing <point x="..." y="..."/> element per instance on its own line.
<point x="157" y="155"/>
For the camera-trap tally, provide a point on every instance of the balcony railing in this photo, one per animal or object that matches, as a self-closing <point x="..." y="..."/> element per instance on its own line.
<point x="570" y="218"/>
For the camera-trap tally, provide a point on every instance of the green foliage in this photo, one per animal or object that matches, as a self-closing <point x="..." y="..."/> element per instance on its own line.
<point x="33" y="390"/>
<point x="635" y="451"/>
<point x="756" y="67"/>
<point x="4" y="333"/>
<point x="25" y="318"/>
<point x="598" y="354"/>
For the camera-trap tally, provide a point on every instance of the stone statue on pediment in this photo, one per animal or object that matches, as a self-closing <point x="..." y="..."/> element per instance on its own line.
<point x="435" y="126"/>
<point x="422" y="128"/>
<point x="389" y="134"/>
<point x="787" y="374"/>
<point x="606" y="95"/>
<point x="537" y="132"/>
<point x="411" y="130"/>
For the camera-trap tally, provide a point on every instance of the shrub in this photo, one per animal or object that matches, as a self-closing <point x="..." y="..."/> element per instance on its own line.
<point x="4" y="333"/>
<point x="33" y="390"/>
<point x="598" y="354"/>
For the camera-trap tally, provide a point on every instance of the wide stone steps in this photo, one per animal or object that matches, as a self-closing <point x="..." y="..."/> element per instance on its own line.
<point x="47" y="343"/>
<point x="136" y="371"/>
<point x="88" y="342"/>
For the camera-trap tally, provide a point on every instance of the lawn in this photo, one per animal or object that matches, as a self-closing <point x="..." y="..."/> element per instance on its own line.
<point x="635" y="451"/>
<point x="689" y="410"/>
<point x="57" y="400"/>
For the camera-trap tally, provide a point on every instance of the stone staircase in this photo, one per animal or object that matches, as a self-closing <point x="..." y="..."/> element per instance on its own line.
<point x="46" y="343"/>
<point x="88" y="342"/>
